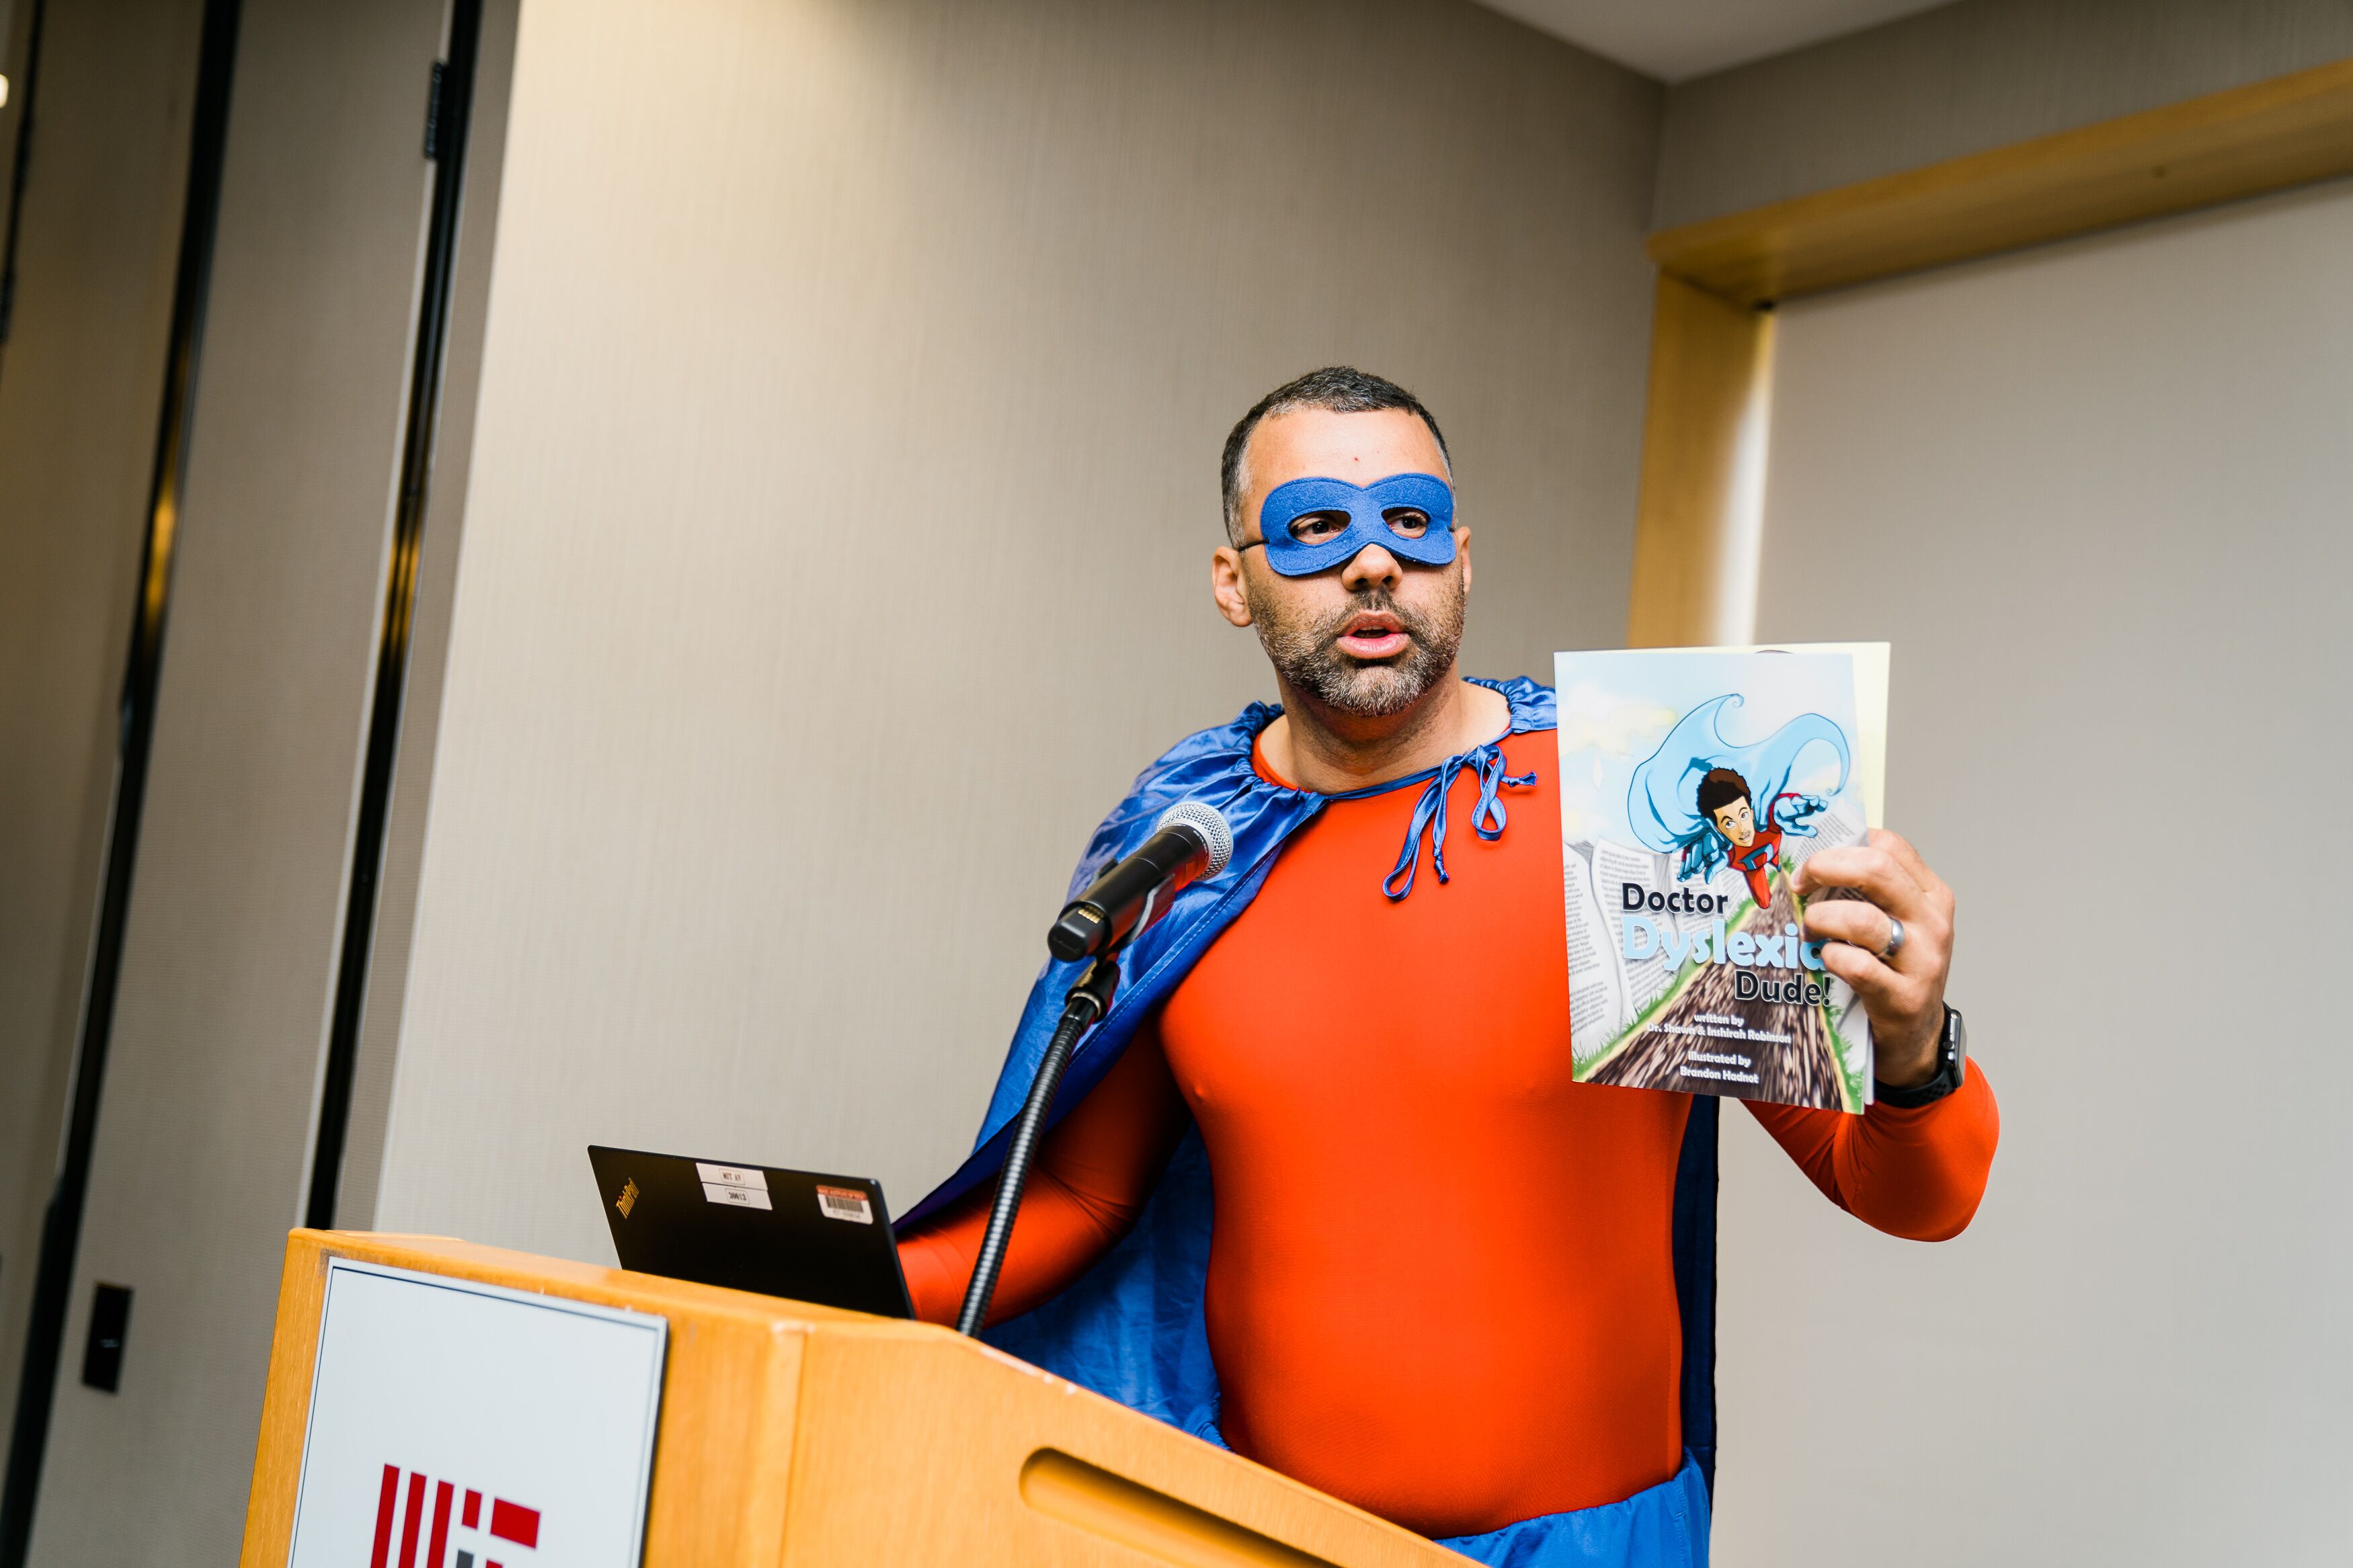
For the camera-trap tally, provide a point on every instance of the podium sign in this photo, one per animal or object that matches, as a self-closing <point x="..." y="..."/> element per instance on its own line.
<point x="459" y="1424"/>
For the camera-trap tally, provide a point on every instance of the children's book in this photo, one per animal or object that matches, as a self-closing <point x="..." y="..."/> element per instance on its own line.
<point x="1693" y="782"/>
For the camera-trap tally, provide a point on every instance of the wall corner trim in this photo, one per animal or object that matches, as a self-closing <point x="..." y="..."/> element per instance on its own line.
<point x="1699" y="522"/>
<point x="2245" y="140"/>
<point x="1700" y="517"/>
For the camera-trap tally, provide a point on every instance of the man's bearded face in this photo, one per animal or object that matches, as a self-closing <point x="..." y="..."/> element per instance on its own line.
<point x="1309" y="642"/>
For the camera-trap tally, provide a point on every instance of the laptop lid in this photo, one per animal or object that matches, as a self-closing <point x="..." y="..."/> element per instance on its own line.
<point x="812" y="1237"/>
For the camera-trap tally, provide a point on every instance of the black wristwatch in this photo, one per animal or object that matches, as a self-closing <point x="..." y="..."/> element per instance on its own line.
<point x="1952" y="1059"/>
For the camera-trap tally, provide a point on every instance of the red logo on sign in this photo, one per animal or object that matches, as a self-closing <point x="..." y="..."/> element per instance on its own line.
<point x="509" y="1522"/>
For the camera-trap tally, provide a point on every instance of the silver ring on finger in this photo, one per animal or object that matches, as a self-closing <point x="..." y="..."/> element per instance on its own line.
<point x="1894" y="940"/>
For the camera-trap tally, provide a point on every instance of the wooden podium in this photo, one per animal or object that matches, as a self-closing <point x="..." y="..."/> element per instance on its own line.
<point x="802" y="1436"/>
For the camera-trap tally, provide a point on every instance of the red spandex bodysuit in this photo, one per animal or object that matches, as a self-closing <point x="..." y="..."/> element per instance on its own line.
<point x="1440" y="1283"/>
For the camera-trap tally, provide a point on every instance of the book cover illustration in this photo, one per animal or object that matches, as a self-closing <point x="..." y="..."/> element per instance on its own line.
<point x="1693" y="782"/>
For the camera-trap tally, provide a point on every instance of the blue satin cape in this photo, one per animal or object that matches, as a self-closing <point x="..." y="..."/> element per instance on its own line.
<point x="1132" y="1328"/>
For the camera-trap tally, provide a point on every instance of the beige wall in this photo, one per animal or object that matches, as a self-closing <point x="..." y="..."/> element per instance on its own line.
<point x="229" y="965"/>
<point x="1963" y="78"/>
<point x="842" y="491"/>
<point x="81" y="380"/>
<point x="2095" y="495"/>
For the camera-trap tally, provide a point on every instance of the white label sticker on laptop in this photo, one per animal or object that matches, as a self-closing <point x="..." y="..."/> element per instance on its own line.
<point x="731" y="1175"/>
<point x="845" y="1202"/>
<point x="741" y="1197"/>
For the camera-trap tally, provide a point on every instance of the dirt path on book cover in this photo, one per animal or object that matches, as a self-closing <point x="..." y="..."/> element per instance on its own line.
<point x="1803" y="1072"/>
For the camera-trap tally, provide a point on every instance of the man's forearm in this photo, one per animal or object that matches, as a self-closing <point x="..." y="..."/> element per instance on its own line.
<point x="1917" y="1173"/>
<point x="1058" y="1235"/>
<point x="1921" y="1172"/>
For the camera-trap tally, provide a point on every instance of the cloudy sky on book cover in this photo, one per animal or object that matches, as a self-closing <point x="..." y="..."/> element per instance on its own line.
<point x="1693" y="782"/>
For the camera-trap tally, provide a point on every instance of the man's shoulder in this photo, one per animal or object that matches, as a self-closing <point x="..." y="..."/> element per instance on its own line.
<point x="1215" y="763"/>
<point x="1223" y="751"/>
<point x="1533" y="706"/>
<point x="1219" y="742"/>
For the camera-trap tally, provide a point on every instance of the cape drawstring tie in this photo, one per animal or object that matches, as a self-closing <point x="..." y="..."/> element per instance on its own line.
<point x="1429" y="813"/>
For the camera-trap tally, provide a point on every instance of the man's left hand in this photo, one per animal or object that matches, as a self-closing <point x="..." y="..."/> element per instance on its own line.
<point x="1903" y="992"/>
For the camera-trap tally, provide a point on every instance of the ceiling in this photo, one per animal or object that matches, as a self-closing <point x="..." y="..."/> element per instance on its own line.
<point x="1672" y="39"/>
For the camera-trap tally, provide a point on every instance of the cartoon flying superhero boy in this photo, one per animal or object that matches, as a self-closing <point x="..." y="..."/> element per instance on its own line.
<point x="1715" y="820"/>
<point x="1723" y="802"/>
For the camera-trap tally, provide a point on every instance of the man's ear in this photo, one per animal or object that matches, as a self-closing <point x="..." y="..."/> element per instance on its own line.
<point x="1226" y="584"/>
<point x="1462" y="554"/>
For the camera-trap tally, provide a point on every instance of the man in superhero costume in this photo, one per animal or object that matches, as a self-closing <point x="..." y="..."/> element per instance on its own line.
<point x="1320" y="1185"/>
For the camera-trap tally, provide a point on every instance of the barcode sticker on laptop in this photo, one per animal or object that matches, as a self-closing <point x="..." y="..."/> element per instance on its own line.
<point x="845" y="1202"/>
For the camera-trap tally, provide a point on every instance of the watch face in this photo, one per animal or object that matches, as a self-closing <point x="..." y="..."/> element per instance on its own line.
<point x="1957" y="1037"/>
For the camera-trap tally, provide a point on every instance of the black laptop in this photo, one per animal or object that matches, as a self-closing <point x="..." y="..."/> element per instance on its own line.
<point x="782" y="1233"/>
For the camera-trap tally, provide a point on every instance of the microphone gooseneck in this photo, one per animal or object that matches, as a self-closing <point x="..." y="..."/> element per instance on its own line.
<point x="1191" y="841"/>
<point x="1084" y="1004"/>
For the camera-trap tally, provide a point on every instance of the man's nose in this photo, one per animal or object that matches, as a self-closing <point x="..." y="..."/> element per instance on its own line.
<point x="1373" y="567"/>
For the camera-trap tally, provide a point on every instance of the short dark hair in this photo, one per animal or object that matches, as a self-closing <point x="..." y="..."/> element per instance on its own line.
<point x="1336" y="388"/>
<point x="1719" y="789"/>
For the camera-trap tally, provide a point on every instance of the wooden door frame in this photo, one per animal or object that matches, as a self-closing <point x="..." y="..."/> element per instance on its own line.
<point x="1698" y="526"/>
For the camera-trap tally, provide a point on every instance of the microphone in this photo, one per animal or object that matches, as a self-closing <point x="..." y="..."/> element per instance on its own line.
<point x="1191" y="841"/>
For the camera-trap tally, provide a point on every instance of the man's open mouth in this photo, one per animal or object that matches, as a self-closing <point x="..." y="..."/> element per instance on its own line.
<point x="1372" y="633"/>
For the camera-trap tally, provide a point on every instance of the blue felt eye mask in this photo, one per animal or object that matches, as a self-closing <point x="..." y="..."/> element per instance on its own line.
<point x="1365" y="504"/>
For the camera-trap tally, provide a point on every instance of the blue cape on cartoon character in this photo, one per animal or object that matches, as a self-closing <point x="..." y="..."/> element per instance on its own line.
<point x="1132" y="1328"/>
<point x="1659" y="799"/>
